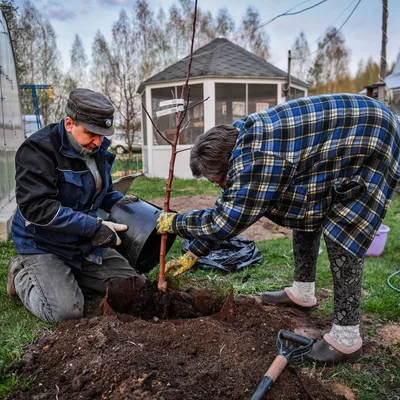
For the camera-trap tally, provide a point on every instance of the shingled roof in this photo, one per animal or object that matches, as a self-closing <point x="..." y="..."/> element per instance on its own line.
<point x="220" y="58"/>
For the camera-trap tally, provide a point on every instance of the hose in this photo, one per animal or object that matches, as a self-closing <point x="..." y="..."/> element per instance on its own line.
<point x="390" y="277"/>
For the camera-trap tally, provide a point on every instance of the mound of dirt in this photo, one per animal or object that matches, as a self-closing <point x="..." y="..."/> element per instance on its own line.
<point x="122" y="357"/>
<point x="263" y="229"/>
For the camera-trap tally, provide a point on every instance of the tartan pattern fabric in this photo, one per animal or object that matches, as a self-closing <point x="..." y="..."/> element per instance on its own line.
<point x="329" y="161"/>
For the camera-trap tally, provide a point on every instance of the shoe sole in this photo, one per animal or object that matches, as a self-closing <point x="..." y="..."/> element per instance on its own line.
<point x="330" y="363"/>
<point x="290" y="305"/>
<point x="12" y="293"/>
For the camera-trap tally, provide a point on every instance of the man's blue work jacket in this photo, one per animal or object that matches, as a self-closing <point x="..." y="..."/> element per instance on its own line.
<point x="55" y="195"/>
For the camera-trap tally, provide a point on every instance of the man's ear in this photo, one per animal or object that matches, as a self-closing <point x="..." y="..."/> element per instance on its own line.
<point x="68" y="124"/>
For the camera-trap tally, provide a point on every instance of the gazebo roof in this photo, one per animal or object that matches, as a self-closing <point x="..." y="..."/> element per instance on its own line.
<point x="221" y="58"/>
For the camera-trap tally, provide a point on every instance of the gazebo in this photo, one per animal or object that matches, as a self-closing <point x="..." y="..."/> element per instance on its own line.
<point x="237" y="83"/>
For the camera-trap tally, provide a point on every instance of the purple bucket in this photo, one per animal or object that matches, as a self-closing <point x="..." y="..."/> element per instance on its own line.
<point x="379" y="242"/>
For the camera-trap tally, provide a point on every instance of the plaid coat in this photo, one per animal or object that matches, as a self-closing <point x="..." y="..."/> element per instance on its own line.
<point x="328" y="161"/>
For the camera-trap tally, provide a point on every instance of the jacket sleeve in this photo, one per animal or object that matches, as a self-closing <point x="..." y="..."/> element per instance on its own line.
<point x="112" y="197"/>
<point x="255" y="182"/>
<point x="36" y="189"/>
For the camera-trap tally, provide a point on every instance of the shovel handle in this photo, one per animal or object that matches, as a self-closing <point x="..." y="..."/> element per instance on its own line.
<point x="270" y="377"/>
<point x="295" y="338"/>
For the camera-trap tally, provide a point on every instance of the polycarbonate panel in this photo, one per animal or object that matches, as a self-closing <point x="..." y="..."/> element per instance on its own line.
<point x="11" y="131"/>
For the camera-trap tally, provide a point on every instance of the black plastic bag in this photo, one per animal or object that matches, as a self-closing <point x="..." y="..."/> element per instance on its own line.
<point x="230" y="255"/>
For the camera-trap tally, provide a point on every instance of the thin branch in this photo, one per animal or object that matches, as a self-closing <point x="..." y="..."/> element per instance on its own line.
<point x="185" y="108"/>
<point x="196" y="104"/>
<point x="180" y="151"/>
<point x="155" y="126"/>
<point x="186" y="124"/>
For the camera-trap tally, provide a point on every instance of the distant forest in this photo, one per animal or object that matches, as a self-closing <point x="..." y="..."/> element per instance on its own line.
<point x="146" y="40"/>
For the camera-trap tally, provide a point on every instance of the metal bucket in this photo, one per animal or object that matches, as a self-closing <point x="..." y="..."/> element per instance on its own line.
<point x="141" y="243"/>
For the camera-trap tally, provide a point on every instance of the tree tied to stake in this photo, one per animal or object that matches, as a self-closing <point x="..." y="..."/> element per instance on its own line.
<point x="180" y="116"/>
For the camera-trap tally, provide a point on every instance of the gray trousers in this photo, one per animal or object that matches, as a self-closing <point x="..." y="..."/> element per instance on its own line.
<point x="346" y="269"/>
<point x="54" y="291"/>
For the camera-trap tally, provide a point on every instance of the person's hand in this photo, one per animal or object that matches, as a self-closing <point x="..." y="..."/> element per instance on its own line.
<point x="164" y="222"/>
<point x="130" y="198"/>
<point x="106" y="234"/>
<point x="185" y="263"/>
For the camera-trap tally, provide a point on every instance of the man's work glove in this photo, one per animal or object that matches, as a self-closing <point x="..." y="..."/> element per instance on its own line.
<point x="130" y="198"/>
<point x="165" y="222"/>
<point x="106" y="234"/>
<point x="185" y="263"/>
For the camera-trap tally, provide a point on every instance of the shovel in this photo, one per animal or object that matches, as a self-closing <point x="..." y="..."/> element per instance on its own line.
<point x="285" y="355"/>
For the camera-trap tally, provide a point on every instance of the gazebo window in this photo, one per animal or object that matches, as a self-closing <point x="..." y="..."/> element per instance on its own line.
<point x="167" y="123"/>
<point x="296" y="93"/>
<point x="236" y="100"/>
<point x="230" y="102"/>
<point x="261" y="97"/>
<point x="195" y="115"/>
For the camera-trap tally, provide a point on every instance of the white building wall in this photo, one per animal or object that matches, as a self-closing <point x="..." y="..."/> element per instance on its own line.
<point x="161" y="159"/>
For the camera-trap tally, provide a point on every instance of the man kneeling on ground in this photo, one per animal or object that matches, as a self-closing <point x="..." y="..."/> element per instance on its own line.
<point x="62" y="179"/>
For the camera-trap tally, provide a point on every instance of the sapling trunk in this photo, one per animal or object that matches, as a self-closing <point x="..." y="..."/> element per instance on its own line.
<point x="162" y="284"/>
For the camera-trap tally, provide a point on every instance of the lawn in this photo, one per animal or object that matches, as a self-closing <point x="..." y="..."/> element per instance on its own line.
<point x="377" y="378"/>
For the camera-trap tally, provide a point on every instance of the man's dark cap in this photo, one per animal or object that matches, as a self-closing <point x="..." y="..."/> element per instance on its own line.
<point x="92" y="110"/>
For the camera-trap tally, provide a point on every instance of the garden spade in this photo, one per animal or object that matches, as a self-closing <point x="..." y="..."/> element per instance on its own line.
<point x="295" y="346"/>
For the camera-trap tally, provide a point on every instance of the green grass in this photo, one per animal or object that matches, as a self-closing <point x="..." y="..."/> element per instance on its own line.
<point x="379" y="376"/>
<point x="152" y="188"/>
<point x="18" y="326"/>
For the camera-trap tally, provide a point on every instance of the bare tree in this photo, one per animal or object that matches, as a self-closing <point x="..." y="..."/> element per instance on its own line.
<point x="300" y="61"/>
<point x="162" y="56"/>
<point x="100" y="70"/>
<point x="367" y="74"/>
<point x="36" y="43"/>
<point x="145" y="32"/>
<point x="152" y="39"/>
<point x="11" y="14"/>
<point x="79" y="62"/>
<point x="175" y="28"/>
<point x="331" y="63"/>
<point x="206" y="28"/>
<point x="61" y="92"/>
<point x="254" y="38"/>
<point x="225" y="25"/>
<point x="123" y="77"/>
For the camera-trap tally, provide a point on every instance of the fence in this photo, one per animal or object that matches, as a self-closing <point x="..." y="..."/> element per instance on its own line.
<point x="123" y="165"/>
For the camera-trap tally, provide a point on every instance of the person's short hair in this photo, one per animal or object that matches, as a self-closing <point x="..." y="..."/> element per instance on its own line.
<point x="209" y="157"/>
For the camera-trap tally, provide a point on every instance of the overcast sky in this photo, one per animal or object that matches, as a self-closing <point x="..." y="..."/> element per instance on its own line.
<point x="362" y="31"/>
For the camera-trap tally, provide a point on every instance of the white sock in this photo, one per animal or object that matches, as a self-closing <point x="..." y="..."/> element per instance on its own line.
<point x="347" y="336"/>
<point x="304" y="291"/>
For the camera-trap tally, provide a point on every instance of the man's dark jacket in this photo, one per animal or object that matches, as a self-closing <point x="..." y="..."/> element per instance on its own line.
<point x="54" y="190"/>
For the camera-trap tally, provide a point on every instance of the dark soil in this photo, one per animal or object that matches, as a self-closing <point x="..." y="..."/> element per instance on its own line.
<point x="118" y="357"/>
<point x="129" y="296"/>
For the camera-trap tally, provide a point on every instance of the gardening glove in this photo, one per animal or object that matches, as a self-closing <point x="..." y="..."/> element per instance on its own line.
<point x="106" y="234"/>
<point x="165" y="222"/>
<point x="186" y="262"/>
<point x="130" y="198"/>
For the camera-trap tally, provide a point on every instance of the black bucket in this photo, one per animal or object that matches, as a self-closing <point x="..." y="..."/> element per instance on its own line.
<point x="140" y="244"/>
